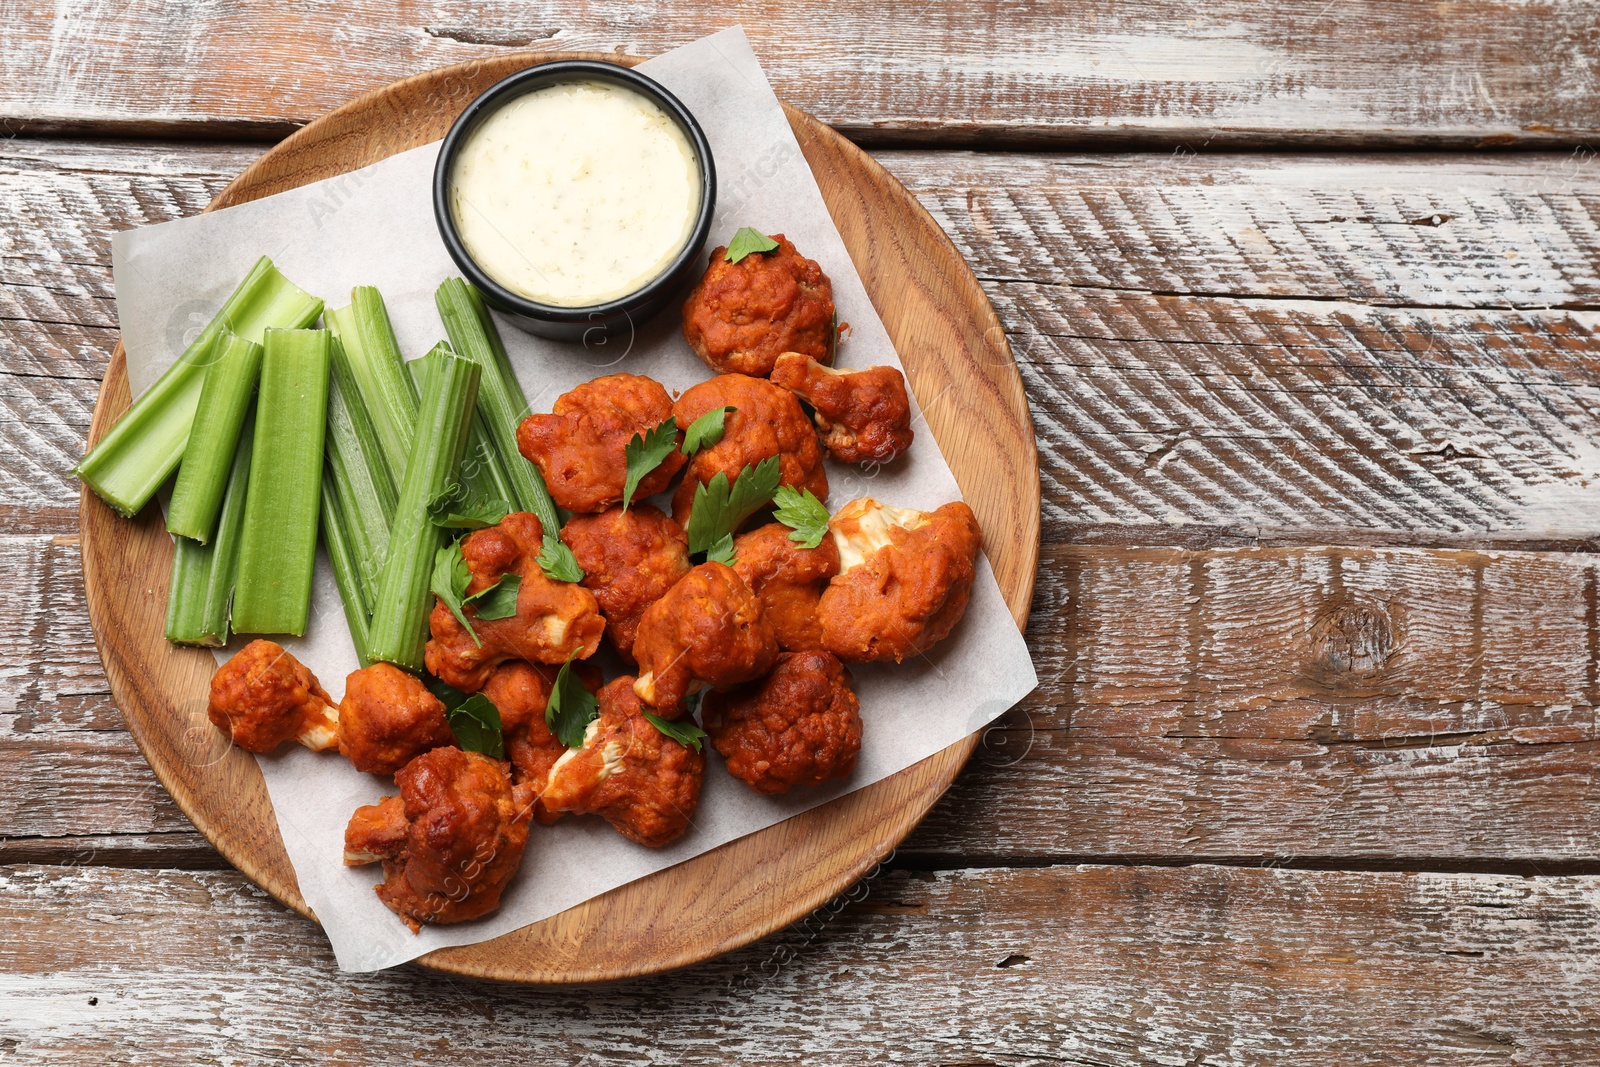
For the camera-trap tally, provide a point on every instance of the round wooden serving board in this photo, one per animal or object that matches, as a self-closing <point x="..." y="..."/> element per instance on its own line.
<point x="954" y="350"/>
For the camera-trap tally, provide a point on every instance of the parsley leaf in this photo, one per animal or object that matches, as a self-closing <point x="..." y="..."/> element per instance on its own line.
<point x="449" y="584"/>
<point x="748" y="240"/>
<point x="499" y="601"/>
<point x="645" y="453"/>
<point x="722" y="551"/>
<point x="685" y="733"/>
<point x="719" y="509"/>
<point x="557" y="560"/>
<point x="570" y="709"/>
<point x="705" y="431"/>
<point x="476" y="724"/>
<point x="452" y="510"/>
<point x="803" y="513"/>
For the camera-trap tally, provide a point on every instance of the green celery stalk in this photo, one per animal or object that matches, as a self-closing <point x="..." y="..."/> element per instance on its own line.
<point x="201" y="595"/>
<point x="225" y="397"/>
<point x="132" y="461"/>
<point x="473" y="335"/>
<point x="482" y="476"/>
<point x="400" y="613"/>
<point x="279" y="545"/>
<point x="360" y="477"/>
<point x="347" y="571"/>
<point x="385" y="390"/>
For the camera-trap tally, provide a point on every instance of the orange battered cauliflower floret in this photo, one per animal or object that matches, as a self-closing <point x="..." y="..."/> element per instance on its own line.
<point x="789" y="579"/>
<point x="742" y="315"/>
<point x="263" y="697"/>
<point x="629" y="559"/>
<point x="904" y="581"/>
<point x="449" y="842"/>
<point x="639" y="780"/>
<point x="521" y="691"/>
<point x="708" y="628"/>
<point x="767" y="420"/>
<point x="800" y="725"/>
<point x="387" y="718"/>
<point x="554" y="621"/>
<point x="581" y="447"/>
<point x="864" y="416"/>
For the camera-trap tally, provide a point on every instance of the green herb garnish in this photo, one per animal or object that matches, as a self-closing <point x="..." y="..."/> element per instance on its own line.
<point x="803" y="513"/>
<point x="557" y="560"/>
<point x="453" y="511"/>
<point x="499" y="601"/>
<point x="686" y="733"/>
<point x="570" y="709"/>
<point x="645" y="453"/>
<point x="722" y="551"/>
<point x="705" y="431"/>
<point x="449" y="583"/>
<point x="719" y="509"/>
<point x="746" y="241"/>
<point x="476" y="724"/>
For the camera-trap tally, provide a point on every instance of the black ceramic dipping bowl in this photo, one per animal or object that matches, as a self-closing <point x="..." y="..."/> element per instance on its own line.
<point x="599" y="321"/>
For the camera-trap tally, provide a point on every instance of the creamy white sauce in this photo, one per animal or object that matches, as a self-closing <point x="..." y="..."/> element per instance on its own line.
<point x="576" y="194"/>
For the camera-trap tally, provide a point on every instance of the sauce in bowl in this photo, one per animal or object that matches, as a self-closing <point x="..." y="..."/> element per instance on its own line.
<point x="576" y="193"/>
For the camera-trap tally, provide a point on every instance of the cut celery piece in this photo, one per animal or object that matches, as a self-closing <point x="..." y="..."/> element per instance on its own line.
<point x="225" y="399"/>
<point x="375" y="365"/>
<point x="279" y="545"/>
<point x="132" y="461"/>
<point x="481" y="477"/>
<point x="347" y="570"/>
<point x="360" y="478"/>
<point x="201" y="596"/>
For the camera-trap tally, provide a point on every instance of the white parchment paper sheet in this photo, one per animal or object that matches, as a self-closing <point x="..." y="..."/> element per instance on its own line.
<point x="375" y="226"/>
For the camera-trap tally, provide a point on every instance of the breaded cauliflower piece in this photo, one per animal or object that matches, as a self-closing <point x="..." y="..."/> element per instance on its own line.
<point x="789" y="579"/>
<point x="767" y="420"/>
<point x="864" y="416"/>
<point x="904" y="581"/>
<point x="521" y="691"/>
<point x="642" y="782"/>
<point x="581" y="447"/>
<point x="741" y="315"/>
<point x="387" y="718"/>
<point x="263" y="697"/>
<point x="629" y="559"/>
<point x="554" y="621"/>
<point x="449" y="842"/>
<point x="709" y="628"/>
<point x="800" y="725"/>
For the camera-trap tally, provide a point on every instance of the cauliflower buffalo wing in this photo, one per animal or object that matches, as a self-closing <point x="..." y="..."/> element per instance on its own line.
<point x="864" y="415"/>
<point x="520" y="691"/>
<point x="709" y="628"/>
<point x="387" y="718"/>
<point x="554" y="621"/>
<point x="263" y="697"/>
<point x="789" y="579"/>
<point x="742" y="315"/>
<point x="449" y="842"/>
<point x="629" y="559"/>
<point x="767" y="420"/>
<point x="581" y="447"/>
<point x="800" y="725"/>
<point x="639" y="780"/>
<point x="904" y="581"/>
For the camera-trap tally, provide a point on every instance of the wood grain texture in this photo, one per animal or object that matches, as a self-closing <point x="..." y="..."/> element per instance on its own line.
<point x="956" y="361"/>
<point x="1076" y="965"/>
<point x="1359" y="73"/>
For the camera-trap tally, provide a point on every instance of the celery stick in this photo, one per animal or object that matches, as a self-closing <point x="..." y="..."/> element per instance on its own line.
<point x="473" y="335"/>
<point x="225" y="398"/>
<point x="201" y="595"/>
<point x="132" y="461"/>
<point x="279" y="545"/>
<point x="360" y="478"/>
<point x="482" y="476"/>
<point x="347" y="572"/>
<point x="444" y="421"/>
<point x="385" y="390"/>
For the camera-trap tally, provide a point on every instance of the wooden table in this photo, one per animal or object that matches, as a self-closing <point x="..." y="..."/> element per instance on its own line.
<point x="1305" y="301"/>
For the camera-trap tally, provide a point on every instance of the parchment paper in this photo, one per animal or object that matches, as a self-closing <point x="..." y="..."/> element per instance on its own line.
<point x="375" y="226"/>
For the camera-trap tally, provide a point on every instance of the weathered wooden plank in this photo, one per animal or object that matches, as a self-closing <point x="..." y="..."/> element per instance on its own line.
<point x="932" y="70"/>
<point x="1080" y="965"/>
